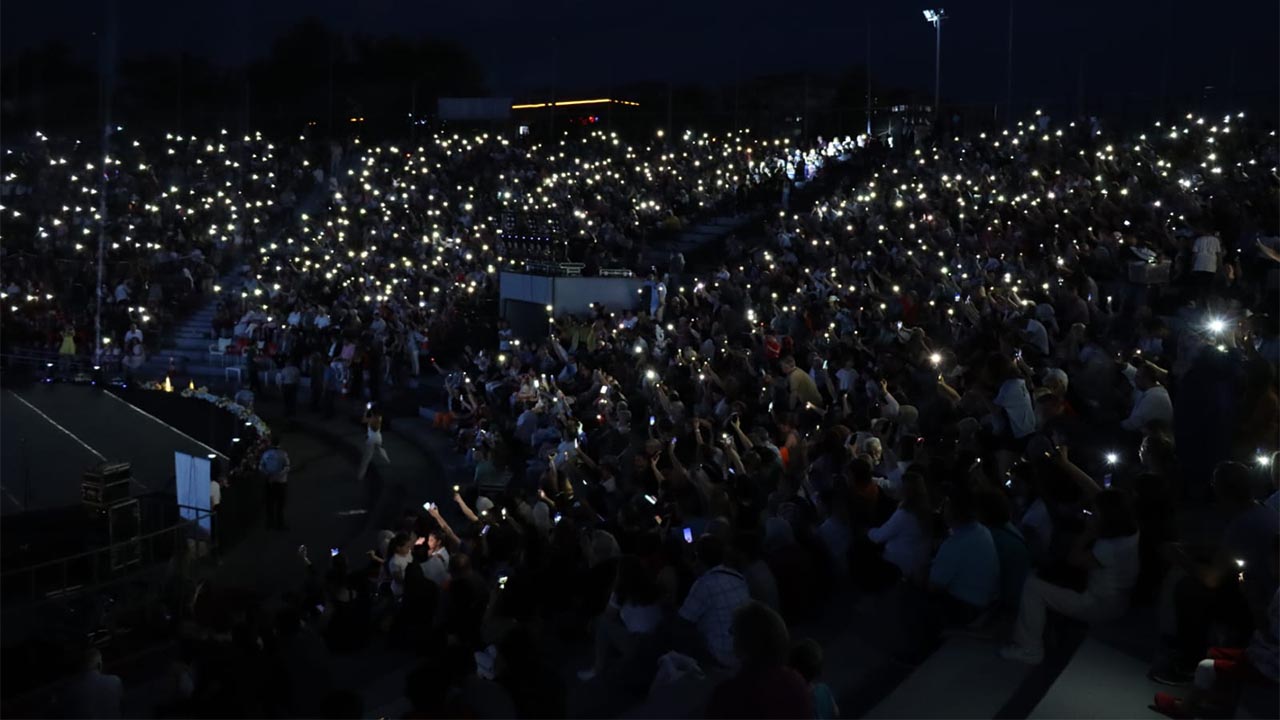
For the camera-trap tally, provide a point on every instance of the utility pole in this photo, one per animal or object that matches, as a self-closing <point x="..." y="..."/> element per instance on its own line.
<point x="936" y="17"/>
<point x="867" y="72"/>
<point x="1008" y="83"/>
<point x="107" y="68"/>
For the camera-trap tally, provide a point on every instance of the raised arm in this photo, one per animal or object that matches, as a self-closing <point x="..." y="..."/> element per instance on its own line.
<point x="1078" y="476"/>
<point x="466" y="510"/>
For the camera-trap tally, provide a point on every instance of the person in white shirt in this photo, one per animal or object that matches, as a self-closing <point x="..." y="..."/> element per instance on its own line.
<point x="133" y="334"/>
<point x="1108" y="550"/>
<point x="905" y="535"/>
<point x="1151" y="403"/>
<point x="373" y="442"/>
<point x="1020" y="413"/>
<point x="1207" y="252"/>
<point x="436" y="566"/>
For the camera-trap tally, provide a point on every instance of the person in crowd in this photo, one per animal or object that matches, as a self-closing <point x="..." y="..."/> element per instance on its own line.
<point x="274" y="466"/>
<point x="634" y="613"/>
<point x="373" y="441"/>
<point x="1108" y="551"/>
<point x="1231" y="583"/>
<point x="290" y="376"/>
<point x="1219" y="677"/>
<point x="1151" y="405"/>
<point x="91" y="693"/>
<point x="965" y="574"/>
<point x="712" y="600"/>
<point x="777" y="426"/>
<point x="763" y="686"/>
<point x="907" y="535"/>
<point x="806" y="659"/>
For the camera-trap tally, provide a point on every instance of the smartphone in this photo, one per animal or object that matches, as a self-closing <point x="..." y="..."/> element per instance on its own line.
<point x="484" y="531"/>
<point x="333" y="552"/>
<point x="457" y="488"/>
<point x="824" y="364"/>
<point x="428" y="506"/>
<point x="652" y="500"/>
<point x="688" y="535"/>
<point x="502" y="581"/>
<point x="652" y="420"/>
<point x="555" y="520"/>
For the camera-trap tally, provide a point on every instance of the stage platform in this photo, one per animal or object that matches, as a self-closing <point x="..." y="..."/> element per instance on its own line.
<point x="51" y="433"/>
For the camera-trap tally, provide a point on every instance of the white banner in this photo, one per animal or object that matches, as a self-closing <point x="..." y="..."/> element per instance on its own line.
<point x="193" y="476"/>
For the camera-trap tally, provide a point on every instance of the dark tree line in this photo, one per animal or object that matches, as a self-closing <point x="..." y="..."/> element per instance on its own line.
<point x="310" y="75"/>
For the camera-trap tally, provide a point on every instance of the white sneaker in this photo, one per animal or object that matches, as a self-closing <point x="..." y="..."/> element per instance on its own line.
<point x="1020" y="654"/>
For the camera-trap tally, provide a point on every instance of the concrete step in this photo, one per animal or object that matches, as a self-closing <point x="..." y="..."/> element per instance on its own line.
<point x="190" y="345"/>
<point x="199" y="370"/>
<point x="965" y="678"/>
<point x="1101" y="681"/>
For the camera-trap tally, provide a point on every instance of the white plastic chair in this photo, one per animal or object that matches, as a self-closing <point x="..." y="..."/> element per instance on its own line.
<point x="219" y="350"/>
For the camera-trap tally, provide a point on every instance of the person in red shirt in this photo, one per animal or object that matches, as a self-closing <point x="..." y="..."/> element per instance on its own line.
<point x="764" y="687"/>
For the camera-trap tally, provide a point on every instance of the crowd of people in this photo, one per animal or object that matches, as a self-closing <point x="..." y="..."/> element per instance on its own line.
<point x="988" y="377"/>
<point x="400" y="243"/>
<point x="170" y="216"/>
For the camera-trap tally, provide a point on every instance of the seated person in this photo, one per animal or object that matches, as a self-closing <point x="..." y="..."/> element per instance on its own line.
<point x="965" y="575"/>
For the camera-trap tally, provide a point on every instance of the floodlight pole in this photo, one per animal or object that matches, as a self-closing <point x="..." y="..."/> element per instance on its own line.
<point x="937" y="63"/>
<point x="107" y="68"/>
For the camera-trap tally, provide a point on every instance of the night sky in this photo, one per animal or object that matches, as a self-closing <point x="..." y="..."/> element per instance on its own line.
<point x="1116" y="47"/>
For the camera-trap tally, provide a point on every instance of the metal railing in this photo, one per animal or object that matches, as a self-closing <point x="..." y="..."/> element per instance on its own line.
<point x="92" y="569"/>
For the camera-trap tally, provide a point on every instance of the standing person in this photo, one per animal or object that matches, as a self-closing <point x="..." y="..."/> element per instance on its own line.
<point x="67" y="349"/>
<point x="413" y="348"/>
<point x="316" y="372"/>
<point x="333" y="375"/>
<point x="1207" y="252"/>
<point x="215" y="500"/>
<point x="373" y="440"/>
<point x="289" y="378"/>
<point x="274" y="464"/>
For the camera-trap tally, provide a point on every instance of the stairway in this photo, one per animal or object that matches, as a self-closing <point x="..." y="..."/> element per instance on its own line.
<point x="693" y="238"/>
<point x="189" y="345"/>
<point x="188" y="348"/>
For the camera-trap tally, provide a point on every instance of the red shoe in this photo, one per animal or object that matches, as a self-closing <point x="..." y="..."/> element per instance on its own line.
<point x="1171" y="706"/>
